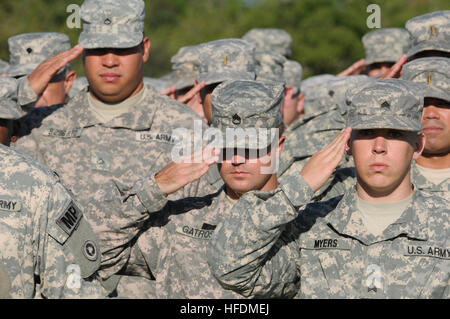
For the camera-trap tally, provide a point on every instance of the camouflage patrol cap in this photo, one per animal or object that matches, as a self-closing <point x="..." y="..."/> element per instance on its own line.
<point x="269" y="39"/>
<point x="314" y="97"/>
<point x="269" y="66"/>
<point x="385" y="104"/>
<point x="28" y="50"/>
<point x="112" y="23"/>
<point x="3" y="66"/>
<point x="225" y="60"/>
<point x="248" y="105"/>
<point x="293" y="73"/>
<point x="185" y="66"/>
<point x="9" y="109"/>
<point x="430" y="31"/>
<point x="433" y="73"/>
<point x="386" y="45"/>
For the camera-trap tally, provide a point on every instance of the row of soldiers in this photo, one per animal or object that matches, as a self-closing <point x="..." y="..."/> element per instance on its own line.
<point x="356" y="209"/>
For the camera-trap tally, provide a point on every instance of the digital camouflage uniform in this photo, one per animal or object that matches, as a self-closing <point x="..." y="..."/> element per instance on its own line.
<point x="430" y="31"/>
<point x="385" y="45"/>
<point x="276" y="41"/>
<point x="266" y="248"/>
<point x="3" y="66"/>
<point x="171" y="248"/>
<point x="270" y="66"/>
<point x="78" y="85"/>
<point x="433" y="73"/>
<point x="87" y="153"/>
<point x="46" y="245"/>
<point x="313" y="132"/>
<point x="293" y="73"/>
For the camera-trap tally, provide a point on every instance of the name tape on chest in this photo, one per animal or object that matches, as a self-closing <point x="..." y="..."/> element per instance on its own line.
<point x="159" y="137"/>
<point x="70" y="218"/>
<point x="10" y="205"/>
<point x="327" y="243"/>
<point x="195" y="232"/>
<point x="428" y="251"/>
<point x="72" y="133"/>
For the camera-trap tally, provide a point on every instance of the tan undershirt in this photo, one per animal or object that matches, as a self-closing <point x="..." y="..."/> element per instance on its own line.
<point x="436" y="176"/>
<point x="106" y="112"/>
<point x="378" y="216"/>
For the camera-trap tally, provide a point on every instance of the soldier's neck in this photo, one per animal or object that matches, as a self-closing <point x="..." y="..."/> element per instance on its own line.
<point x="434" y="162"/>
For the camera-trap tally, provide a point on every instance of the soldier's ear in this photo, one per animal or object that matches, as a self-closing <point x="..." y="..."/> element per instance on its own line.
<point x="68" y="81"/>
<point x="419" y="145"/>
<point x="145" y="49"/>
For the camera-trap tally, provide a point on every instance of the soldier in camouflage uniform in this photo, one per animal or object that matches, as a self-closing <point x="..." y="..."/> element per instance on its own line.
<point x="28" y="50"/>
<point x="117" y="127"/>
<point x="381" y="239"/>
<point x="312" y="132"/>
<point x="47" y="249"/>
<point x="431" y="171"/>
<point x="220" y="61"/>
<point x="383" y="48"/>
<point x="272" y="40"/>
<point x="430" y="35"/>
<point x="171" y="248"/>
<point x="78" y="85"/>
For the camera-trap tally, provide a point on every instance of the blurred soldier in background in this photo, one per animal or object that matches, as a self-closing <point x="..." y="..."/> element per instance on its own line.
<point x="276" y="41"/>
<point x="431" y="171"/>
<point x="223" y="60"/>
<point x="9" y="110"/>
<point x="3" y="66"/>
<point x="430" y="35"/>
<point x="383" y="48"/>
<point x="292" y="108"/>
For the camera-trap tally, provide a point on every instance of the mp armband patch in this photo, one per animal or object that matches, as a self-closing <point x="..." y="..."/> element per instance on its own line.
<point x="70" y="218"/>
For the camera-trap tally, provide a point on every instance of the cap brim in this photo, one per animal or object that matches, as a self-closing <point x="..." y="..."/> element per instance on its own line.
<point x="247" y="141"/>
<point x="98" y="41"/>
<point x="436" y="93"/>
<point x="363" y="122"/>
<point x="218" y="77"/>
<point x="428" y="46"/>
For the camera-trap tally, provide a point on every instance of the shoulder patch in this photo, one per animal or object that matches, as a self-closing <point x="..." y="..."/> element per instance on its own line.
<point x="70" y="218"/>
<point x="10" y="205"/>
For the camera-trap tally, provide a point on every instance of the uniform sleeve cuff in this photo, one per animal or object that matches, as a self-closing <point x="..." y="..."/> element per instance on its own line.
<point x="297" y="190"/>
<point x="25" y="93"/>
<point x="150" y="194"/>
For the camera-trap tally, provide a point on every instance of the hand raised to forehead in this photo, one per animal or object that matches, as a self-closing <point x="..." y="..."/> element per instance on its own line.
<point x="42" y="75"/>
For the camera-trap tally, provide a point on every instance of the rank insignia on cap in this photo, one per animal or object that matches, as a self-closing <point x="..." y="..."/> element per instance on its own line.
<point x="90" y="250"/>
<point x="430" y="78"/>
<point x="29" y="50"/>
<point x="385" y="105"/>
<point x="225" y="60"/>
<point x="432" y="30"/>
<point x="236" y="119"/>
<point x="107" y="21"/>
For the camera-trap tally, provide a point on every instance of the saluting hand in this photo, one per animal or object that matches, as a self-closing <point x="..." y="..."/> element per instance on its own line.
<point x="45" y="71"/>
<point x="321" y="165"/>
<point x="186" y="169"/>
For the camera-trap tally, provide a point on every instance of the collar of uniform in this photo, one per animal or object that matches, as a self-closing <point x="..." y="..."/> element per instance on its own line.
<point x="423" y="183"/>
<point x="346" y="221"/>
<point x="140" y="117"/>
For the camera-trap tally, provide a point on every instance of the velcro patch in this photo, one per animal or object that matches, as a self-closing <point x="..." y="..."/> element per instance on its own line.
<point x="10" y="205"/>
<point x="195" y="232"/>
<point x="160" y="137"/>
<point x="427" y="251"/>
<point x="70" y="218"/>
<point x="73" y="133"/>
